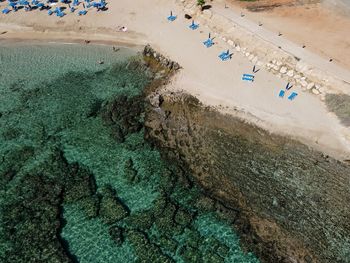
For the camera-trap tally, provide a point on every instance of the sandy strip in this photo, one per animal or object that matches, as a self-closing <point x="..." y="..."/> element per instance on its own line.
<point x="214" y="82"/>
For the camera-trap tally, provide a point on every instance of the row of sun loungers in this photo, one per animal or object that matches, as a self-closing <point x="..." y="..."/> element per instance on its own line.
<point x="15" y="5"/>
<point x="226" y="55"/>
<point x="283" y="92"/>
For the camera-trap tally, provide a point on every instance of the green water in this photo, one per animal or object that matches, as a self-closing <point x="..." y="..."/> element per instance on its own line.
<point x="73" y="191"/>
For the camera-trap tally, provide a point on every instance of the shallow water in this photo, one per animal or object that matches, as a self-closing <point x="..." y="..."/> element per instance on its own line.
<point x="70" y="191"/>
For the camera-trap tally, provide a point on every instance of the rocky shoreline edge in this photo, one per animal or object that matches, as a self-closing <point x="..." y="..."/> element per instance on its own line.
<point x="288" y="202"/>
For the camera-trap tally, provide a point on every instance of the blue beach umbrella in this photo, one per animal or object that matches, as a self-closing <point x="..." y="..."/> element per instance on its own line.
<point x="23" y="2"/>
<point x="13" y="4"/>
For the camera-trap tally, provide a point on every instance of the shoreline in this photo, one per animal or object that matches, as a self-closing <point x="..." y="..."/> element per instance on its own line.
<point x="60" y="38"/>
<point x="124" y="40"/>
<point x="306" y="119"/>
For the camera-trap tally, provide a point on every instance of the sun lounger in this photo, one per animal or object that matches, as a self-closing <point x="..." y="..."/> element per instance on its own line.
<point x="224" y="53"/>
<point x="50" y="12"/>
<point x="208" y="43"/>
<point x="82" y="13"/>
<point x="6" y="11"/>
<point x="281" y="94"/>
<point x="172" y="18"/>
<point x="292" y="96"/>
<point x="226" y="57"/>
<point x="40" y="5"/>
<point x="193" y="26"/>
<point x="248" y="77"/>
<point x="60" y="14"/>
<point x="72" y="9"/>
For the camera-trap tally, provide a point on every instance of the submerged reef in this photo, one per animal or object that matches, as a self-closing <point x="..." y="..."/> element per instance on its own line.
<point x="288" y="202"/>
<point x="79" y="182"/>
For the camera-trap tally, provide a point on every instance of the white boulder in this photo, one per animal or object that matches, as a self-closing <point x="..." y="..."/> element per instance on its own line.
<point x="283" y="70"/>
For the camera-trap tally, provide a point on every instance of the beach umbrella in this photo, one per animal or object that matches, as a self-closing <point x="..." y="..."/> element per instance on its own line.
<point x="23" y="2"/>
<point x="13" y="4"/>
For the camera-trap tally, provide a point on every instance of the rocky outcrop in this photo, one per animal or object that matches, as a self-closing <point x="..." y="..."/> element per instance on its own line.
<point x="289" y="203"/>
<point x="160" y="59"/>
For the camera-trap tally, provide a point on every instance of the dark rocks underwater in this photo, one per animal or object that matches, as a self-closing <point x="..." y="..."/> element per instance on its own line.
<point x="74" y="158"/>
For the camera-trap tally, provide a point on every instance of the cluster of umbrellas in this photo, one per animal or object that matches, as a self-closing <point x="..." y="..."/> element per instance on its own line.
<point x="15" y="5"/>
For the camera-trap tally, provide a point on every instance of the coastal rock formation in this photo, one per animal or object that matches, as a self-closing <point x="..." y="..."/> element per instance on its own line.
<point x="159" y="58"/>
<point x="289" y="203"/>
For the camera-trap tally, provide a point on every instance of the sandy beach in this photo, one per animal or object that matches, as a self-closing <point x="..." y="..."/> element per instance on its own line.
<point x="214" y="82"/>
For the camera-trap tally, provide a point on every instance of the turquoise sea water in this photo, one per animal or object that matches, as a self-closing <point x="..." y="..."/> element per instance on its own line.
<point x="73" y="191"/>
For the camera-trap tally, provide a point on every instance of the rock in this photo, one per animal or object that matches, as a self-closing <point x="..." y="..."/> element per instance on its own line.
<point x="111" y="208"/>
<point x="303" y="83"/>
<point x="251" y="57"/>
<point x="297" y="76"/>
<point x="255" y="60"/>
<point x="247" y="54"/>
<point x="315" y="91"/>
<point x="279" y="63"/>
<point x="290" y="73"/>
<point x="156" y="100"/>
<point x="310" y="86"/>
<point x="275" y="67"/>
<point x="187" y="16"/>
<point x="322" y="90"/>
<point x="238" y="48"/>
<point x="283" y="70"/>
<point x="230" y="42"/>
<point x="224" y="38"/>
<point x="116" y="234"/>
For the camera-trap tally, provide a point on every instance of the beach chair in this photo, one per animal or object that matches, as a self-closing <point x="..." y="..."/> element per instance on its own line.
<point x="292" y="96"/>
<point x="23" y="2"/>
<point x="248" y="77"/>
<point x="171" y="18"/>
<point x="60" y="14"/>
<point x="72" y="9"/>
<point x="82" y="13"/>
<point x="193" y="26"/>
<point x="208" y="43"/>
<point x="6" y="11"/>
<point x="225" y="55"/>
<point x="50" y="12"/>
<point x="40" y="5"/>
<point x="76" y="2"/>
<point x="281" y="94"/>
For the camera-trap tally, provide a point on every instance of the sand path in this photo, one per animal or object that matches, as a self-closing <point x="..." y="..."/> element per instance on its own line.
<point x="214" y="82"/>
